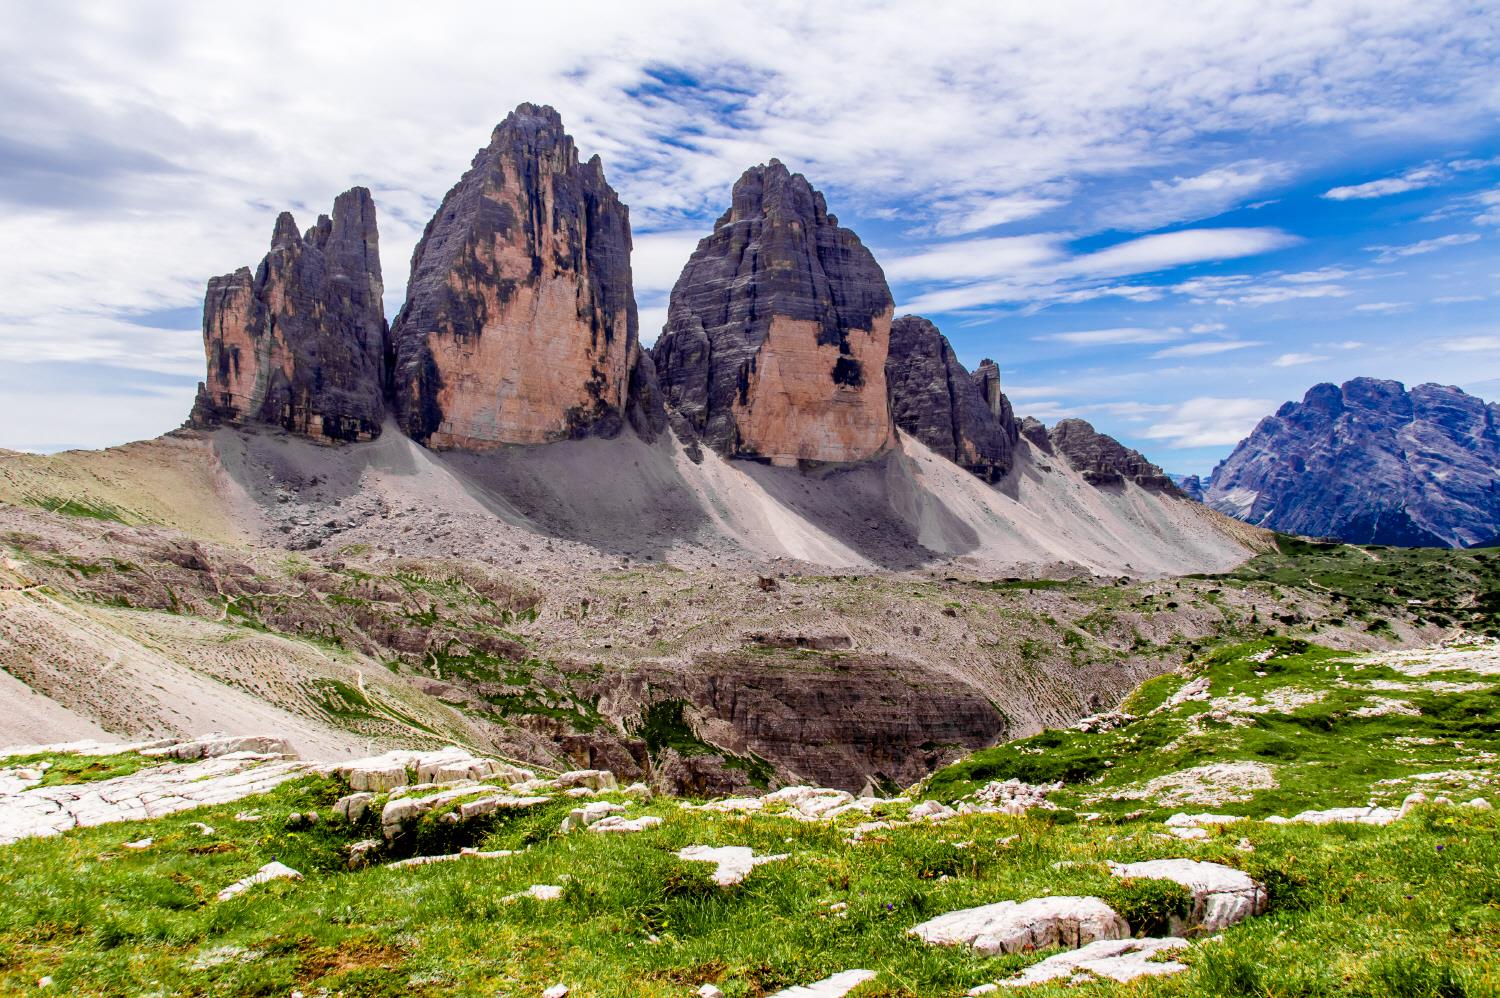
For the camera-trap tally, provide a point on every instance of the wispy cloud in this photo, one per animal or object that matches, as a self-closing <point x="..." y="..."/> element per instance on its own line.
<point x="1470" y="344"/>
<point x="1412" y="180"/>
<point x="1388" y="254"/>
<point x="1209" y="422"/>
<point x="1039" y="267"/>
<point x="1384" y="307"/>
<point x="1117" y="335"/>
<point x="1206" y="348"/>
<point x="1296" y="359"/>
<point x="1202" y="195"/>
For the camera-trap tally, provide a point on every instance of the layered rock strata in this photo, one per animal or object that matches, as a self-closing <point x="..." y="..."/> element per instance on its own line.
<point x="1371" y="463"/>
<point x="778" y="330"/>
<point x="520" y="321"/>
<point x="962" y="416"/>
<point x="1103" y="460"/>
<point x="301" y="343"/>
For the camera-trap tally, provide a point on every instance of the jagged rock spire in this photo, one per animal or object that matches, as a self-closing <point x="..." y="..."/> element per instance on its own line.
<point x="301" y="343"/>
<point x="520" y="320"/>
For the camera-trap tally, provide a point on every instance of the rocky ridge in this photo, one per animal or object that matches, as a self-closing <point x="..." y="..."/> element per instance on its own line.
<point x="962" y="416"/>
<point x="301" y="343"/>
<point x="1370" y="462"/>
<point x="778" y="330"/>
<point x="1100" y="458"/>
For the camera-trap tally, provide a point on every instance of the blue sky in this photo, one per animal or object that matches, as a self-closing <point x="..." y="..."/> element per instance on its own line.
<point x="1165" y="220"/>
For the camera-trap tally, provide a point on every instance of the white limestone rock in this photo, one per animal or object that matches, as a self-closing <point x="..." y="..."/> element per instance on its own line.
<point x="271" y="871"/>
<point x="594" y="779"/>
<point x="353" y="806"/>
<point x="1119" y="960"/>
<point x="1013" y="926"/>
<point x="1222" y="895"/>
<point x="615" y="823"/>
<point x="830" y="987"/>
<point x="732" y="864"/>
<point x="588" y="814"/>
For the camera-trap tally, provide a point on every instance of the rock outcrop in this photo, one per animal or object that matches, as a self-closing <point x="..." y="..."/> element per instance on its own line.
<point x="1371" y="463"/>
<point x="301" y="343"/>
<point x="1103" y="460"/>
<point x="520" y="320"/>
<point x="777" y="331"/>
<point x="962" y="416"/>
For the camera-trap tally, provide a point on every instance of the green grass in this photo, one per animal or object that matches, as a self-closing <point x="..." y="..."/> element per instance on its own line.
<point x="65" y="769"/>
<point x="1323" y="753"/>
<point x="91" y="509"/>
<point x="1412" y="909"/>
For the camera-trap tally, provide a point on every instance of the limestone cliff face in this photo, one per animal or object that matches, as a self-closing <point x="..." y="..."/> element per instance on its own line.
<point x="301" y="343"/>
<point x="778" y="329"/>
<point x="520" y="321"/>
<point x="961" y="416"/>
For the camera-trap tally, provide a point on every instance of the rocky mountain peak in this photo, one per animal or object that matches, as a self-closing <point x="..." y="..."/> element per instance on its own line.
<point x="1370" y="462"/>
<point x="963" y="417"/>
<point x="301" y="343"/>
<point x="778" y="329"/>
<point x="1101" y="459"/>
<point x="520" y="322"/>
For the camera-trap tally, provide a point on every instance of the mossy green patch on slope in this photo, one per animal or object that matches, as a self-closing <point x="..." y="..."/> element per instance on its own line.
<point x="1324" y="728"/>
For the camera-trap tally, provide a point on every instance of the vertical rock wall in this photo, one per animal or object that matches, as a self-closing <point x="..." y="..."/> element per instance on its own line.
<point x="520" y="320"/>
<point x="301" y="343"/>
<point x="778" y="329"/>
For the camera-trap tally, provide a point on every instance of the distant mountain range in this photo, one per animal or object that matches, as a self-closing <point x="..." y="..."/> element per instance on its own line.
<point x="1369" y="462"/>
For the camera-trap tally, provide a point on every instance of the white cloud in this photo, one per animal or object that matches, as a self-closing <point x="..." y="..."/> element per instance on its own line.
<point x="1037" y="268"/>
<point x="1173" y="249"/>
<point x="1384" y="307"/>
<point x="1387" y="254"/>
<point x="1343" y="345"/>
<point x="977" y="214"/>
<point x="974" y="258"/>
<point x="1117" y="335"/>
<point x="1323" y="275"/>
<point x="1456" y="299"/>
<point x="1294" y="359"/>
<point x="1206" y="327"/>
<point x="1203" y="195"/>
<point x="1471" y="344"/>
<point x="652" y="321"/>
<point x="657" y="259"/>
<point x="1412" y="180"/>
<point x="1209" y="422"/>
<point x="1206" y="349"/>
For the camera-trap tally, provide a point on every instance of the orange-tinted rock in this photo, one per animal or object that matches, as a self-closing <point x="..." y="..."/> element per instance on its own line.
<point x="301" y="343"/>
<point x="777" y="331"/>
<point x="520" y="320"/>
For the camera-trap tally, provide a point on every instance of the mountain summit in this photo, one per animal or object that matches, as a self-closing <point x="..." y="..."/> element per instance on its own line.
<point x="520" y="320"/>
<point x="1369" y="462"/>
<point x="778" y="329"/>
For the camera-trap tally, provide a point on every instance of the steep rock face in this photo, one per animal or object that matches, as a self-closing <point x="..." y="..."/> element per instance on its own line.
<point x="302" y="342"/>
<point x="1192" y="487"/>
<point x="520" y="321"/>
<point x="961" y="416"/>
<point x="1370" y="462"/>
<point x="1102" y="459"/>
<point x="777" y="331"/>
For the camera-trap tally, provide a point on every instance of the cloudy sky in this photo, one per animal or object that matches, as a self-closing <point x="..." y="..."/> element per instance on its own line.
<point x="1167" y="218"/>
